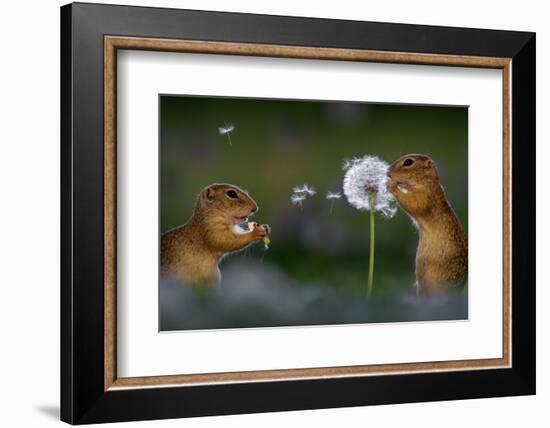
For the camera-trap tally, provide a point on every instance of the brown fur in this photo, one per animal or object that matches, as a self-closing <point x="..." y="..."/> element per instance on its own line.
<point x="191" y="253"/>
<point x="442" y="254"/>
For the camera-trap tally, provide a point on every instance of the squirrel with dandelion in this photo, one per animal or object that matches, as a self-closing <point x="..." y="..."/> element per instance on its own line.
<point x="442" y="253"/>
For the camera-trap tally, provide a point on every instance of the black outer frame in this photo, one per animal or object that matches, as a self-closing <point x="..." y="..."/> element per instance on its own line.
<point x="83" y="399"/>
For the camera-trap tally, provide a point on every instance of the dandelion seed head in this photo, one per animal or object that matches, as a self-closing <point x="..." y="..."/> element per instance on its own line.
<point x="226" y="129"/>
<point x="366" y="185"/>
<point x="333" y="195"/>
<point x="305" y="189"/>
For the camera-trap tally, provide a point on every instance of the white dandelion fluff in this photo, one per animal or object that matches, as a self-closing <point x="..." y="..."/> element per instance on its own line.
<point x="348" y="163"/>
<point x="366" y="185"/>
<point x="297" y="199"/>
<point x="332" y="196"/>
<point x="227" y="130"/>
<point x="301" y="193"/>
<point x="366" y="188"/>
<point x="403" y="189"/>
<point x="305" y="190"/>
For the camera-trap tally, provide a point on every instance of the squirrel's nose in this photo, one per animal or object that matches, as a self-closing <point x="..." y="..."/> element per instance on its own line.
<point x="253" y="210"/>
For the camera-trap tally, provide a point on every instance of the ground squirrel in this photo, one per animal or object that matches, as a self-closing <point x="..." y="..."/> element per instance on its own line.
<point x="442" y="254"/>
<point x="191" y="253"/>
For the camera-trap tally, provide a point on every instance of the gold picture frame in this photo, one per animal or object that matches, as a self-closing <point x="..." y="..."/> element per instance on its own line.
<point x="114" y="43"/>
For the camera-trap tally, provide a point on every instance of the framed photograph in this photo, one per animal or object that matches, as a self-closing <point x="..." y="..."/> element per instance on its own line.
<point x="266" y="213"/>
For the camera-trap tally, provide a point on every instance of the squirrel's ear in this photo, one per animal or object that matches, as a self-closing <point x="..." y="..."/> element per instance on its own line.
<point x="208" y="194"/>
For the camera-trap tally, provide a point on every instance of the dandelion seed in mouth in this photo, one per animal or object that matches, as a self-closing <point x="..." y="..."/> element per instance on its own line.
<point x="297" y="199"/>
<point x="305" y="190"/>
<point x="227" y="130"/>
<point x="332" y="196"/>
<point x="403" y="189"/>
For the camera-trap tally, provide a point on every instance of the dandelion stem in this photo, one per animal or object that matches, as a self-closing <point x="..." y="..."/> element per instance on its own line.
<point x="371" y="254"/>
<point x="229" y="137"/>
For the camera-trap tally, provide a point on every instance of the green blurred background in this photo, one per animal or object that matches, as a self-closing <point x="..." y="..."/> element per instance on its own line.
<point x="278" y="144"/>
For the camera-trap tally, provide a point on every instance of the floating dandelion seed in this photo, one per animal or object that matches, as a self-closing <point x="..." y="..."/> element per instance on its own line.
<point x="227" y="130"/>
<point x="334" y="195"/>
<point x="331" y="196"/>
<point x="301" y="193"/>
<point x="305" y="189"/>
<point x="366" y="188"/>
<point x="298" y="199"/>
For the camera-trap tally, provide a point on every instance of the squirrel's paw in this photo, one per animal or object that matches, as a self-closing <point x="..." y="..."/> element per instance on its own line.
<point x="261" y="231"/>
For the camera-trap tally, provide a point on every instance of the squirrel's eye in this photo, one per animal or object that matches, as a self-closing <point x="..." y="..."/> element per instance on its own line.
<point x="232" y="194"/>
<point x="408" y="162"/>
